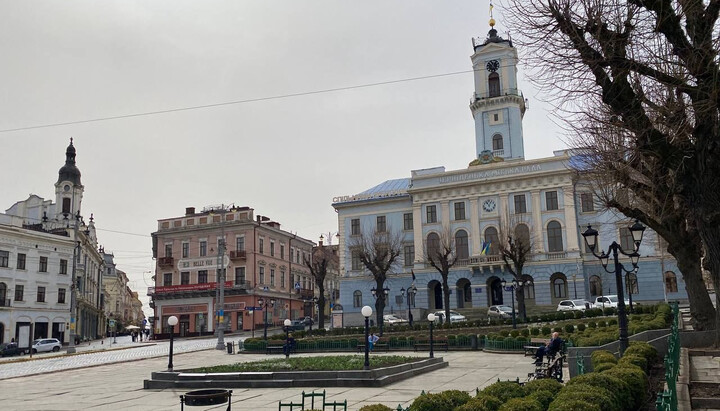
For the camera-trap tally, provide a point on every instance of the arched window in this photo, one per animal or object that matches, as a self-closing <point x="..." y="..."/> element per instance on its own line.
<point x="559" y="285"/>
<point x="494" y="85"/>
<point x="670" y="282"/>
<point x="595" y="286"/>
<point x="491" y="238"/>
<point x="433" y="245"/>
<point x="554" y="234"/>
<point x="497" y="142"/>
<point x="528" y="289"/>
<point x="357" y="299"/>
<point x="461" y="245"/>
<point x="522" y="235"/>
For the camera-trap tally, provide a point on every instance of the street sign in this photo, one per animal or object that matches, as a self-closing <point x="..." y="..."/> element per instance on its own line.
<point x="297" y="285"/>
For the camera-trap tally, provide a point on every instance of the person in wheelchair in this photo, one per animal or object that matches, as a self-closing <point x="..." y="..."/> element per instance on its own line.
<point x="551" y="349"/>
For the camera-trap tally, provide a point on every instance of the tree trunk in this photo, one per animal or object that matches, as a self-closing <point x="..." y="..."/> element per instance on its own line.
<point x="701" y="308"/>
<point x="379" y="305"/>
<point x="520" y="297"/>
<point x="321" y="308"/>
<point x="446" y="297"/>
<point x="710" y="236"/>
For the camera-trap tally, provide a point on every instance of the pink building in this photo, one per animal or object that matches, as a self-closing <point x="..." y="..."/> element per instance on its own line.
<point x="262" y="262"/>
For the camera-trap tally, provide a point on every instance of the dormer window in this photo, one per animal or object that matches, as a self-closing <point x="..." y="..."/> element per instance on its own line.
<point x="494" y="84"/>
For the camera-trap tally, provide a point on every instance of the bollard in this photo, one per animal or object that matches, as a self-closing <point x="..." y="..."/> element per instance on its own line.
<point x="230" y="347"/>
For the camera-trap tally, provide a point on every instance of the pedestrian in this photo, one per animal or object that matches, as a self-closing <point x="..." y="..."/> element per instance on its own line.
<point x="551" y="348"/>
<point x="372" y="339"/>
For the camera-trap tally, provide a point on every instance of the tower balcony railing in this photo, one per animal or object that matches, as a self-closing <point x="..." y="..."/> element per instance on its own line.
<point x="492" y="94"/>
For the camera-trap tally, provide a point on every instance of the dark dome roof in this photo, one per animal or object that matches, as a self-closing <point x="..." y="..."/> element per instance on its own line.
<point x="69" y="172"/>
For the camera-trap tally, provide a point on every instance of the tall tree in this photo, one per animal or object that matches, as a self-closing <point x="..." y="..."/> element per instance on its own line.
<point x="323" y="261"/>
<point x="515" y="247"/>
<point x="441" y="254"/>
<point x="378" y="251"/>
<point x="648" y="70"/>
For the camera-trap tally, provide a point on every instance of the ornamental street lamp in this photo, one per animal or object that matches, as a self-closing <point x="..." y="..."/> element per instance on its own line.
<point x="412" y="290"/>
<point x="431" y="318"/>
<point x="264" y="305"/>
<point x="515" y="284"/>
<point x="591" y="236"/>
<point x="367" y="312"/>
<point x="172" y="322"/>
<point x="287" y="323"/>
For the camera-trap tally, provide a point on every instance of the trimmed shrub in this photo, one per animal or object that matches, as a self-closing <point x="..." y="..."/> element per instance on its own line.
<point x="642" y="349"/>
<point x="569" y="328"/>
<point x="618" y="388"/>
<point x="546" y="331"/>
<point x="603" y="366"/>
<point x="514" y="333"/>
<point x="525" y="332"/>
<point x="573" y="405"/>
<point x="431" y="402"/>
<point x="543" y="397"/>
<point x="535" y="331"/>
<point x="559" y="316"/>
<point x="545" y="384"/>
<point x="504" y="390"/>
<point x="636" y="380"/>
<point x="581" y="327"/>
<point x="456" y="397"/>
<point x="592" y="324"/>
<point x="588" y="393"/>
<point x="612" y="321"/>
<point x="609" y="311"/>
<point x="558" y="329"/>
<point x="482" y="402"/>
<point x="602" y="356"/>
<point x="635" y="360"/>
<point x="578" y="314"/>
<point x="376" y="407"/>
<point x="602" y="324"/>
<point x="522" y="404"/>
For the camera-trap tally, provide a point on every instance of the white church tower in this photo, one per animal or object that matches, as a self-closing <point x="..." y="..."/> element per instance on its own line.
<point x="498" y="105"/>
<point x="68" y="189"/>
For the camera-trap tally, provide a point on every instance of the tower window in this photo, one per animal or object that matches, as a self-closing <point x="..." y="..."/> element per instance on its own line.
<point x="497" y="142"/>
<point x="494" y="84"/>
<point x="66" y="206"/>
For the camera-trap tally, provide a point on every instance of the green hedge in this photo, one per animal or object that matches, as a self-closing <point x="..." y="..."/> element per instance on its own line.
<point x="602" y="356"/>
<point x="482" y="402"/>
<point x="522" y="404"/>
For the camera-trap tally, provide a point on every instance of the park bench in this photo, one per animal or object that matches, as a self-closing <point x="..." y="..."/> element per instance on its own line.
<point x="376" y="347"/>
<point x="532" y="347"/>
<point x="551" y="369"/>
<point x="425" y="345"/>
<point x="277" y="347"/>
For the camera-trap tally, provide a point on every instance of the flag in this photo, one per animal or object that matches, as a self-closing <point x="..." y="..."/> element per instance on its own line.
<point x="485" y="248"/>
<point x="413" y="275"/>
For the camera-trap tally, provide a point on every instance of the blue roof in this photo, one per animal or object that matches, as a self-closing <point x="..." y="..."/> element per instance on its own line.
<point x="387" y="189"/>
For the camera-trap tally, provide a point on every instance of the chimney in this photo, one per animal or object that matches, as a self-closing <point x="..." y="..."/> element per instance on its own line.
<point x="258" y="218"/>
<point x="189" y="210"/>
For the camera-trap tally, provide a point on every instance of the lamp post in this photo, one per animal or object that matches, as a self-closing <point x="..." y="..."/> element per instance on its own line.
<point x="264" y="306"/>
<point x="591" y="236"/>
<point x="374" y="292"/>
<point x="431" y="318"/>
<point x="367" y="312"/>
<point x="514" y="284"/>
<point x="412" y="290"/>
<point x="312" y="307"/>
<point x="287" y="323"/>
<point x="172" y="322"/>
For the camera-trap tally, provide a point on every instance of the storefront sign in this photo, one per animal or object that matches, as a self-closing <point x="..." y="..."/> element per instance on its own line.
<point x="184" y="309"/>
<point x="189" y="287"/>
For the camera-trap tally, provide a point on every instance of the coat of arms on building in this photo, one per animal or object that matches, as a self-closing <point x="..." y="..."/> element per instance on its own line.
<point x="485" y="157"/>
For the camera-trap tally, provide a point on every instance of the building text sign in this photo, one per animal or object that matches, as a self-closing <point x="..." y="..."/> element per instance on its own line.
<point x="189" y="287"/>
<point x="203" y="263"/>
<point x="479" y="175"/>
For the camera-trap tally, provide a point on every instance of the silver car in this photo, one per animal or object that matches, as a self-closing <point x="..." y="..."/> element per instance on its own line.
<point x="46" y="345"/>
<point x="499" y="311"/>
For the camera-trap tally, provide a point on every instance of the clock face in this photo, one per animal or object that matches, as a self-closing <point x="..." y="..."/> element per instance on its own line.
<point x="489" y="205"/>
<point x="66" y="188"/>
<point x="492" y="65"/>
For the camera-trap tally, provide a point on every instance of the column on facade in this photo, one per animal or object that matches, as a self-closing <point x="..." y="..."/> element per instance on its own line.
<point x="418" y="234"/>
<point x="475" y="226"/>
<point x="537" y="221"/>
<point x="445" y="212"/>
<point x="571" y="227"/>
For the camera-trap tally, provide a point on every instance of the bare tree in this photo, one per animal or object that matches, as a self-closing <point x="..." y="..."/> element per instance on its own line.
<point x="648" y="70"/>
<point x="322" y="262"/>
<point x="378" y="252"/>
<point x="515" y="247"/>
<point x="440" y="253"/>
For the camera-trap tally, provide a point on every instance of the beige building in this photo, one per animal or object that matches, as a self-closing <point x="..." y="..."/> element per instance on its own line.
<point x="122" y="304"/>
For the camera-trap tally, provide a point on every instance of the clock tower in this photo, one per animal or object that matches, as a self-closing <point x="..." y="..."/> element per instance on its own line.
<point x="497" y="105"/>
<point x="68" y="189"/>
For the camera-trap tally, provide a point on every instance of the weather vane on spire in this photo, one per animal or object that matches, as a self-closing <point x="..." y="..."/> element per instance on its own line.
<point x="492" y="20"/>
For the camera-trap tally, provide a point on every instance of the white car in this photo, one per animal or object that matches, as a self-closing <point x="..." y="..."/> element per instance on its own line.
<point x="608" y="301"/>
<point x="392" y="319"/>
<point x="455" y="317"/>
<point x="573" y="305"/>
<point x="46" y="345"/>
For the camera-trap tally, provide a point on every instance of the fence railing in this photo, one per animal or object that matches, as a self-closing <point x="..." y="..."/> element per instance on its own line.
<point x="461" y="342"/>
<point x="667" y="399"/>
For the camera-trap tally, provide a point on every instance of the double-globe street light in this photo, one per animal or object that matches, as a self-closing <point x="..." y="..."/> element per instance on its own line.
<point x="287" y="323"/>
<point x="172" y="322"/>
<point x="367" y="312"/>
<point x="412" y="290"/>
<point x="264" y="306"/>
<point x="515" y="284"/>
<point x="591" y="236"/>
<point x="431" y="318"/>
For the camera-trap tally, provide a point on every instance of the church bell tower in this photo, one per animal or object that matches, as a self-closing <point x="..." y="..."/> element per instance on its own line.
<point x="68" y="189"/>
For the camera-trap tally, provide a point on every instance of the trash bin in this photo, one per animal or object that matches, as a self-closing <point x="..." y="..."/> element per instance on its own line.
<point x="474" y="342"/>
<point x="231" y="347"/>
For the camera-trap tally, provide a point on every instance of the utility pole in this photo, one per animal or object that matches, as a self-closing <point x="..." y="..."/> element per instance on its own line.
<point x="221" y="282"/>
<point x="73" y="287"/>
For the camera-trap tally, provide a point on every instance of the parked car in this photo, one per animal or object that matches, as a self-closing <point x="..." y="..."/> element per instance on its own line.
<point x="573" y="305"/>
<point x="46" y="345"/>
<point x="9" y="349"/>
<point x="308" y="321"/>
<point x="454" y="316"/>
<point x="297" y="325"/>
<point x="499" y="311"/>
<point x="392" y="319"/>
<point x="608" y="301"/>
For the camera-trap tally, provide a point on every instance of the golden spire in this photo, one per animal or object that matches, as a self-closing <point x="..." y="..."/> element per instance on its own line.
<point x="492" y="20"/>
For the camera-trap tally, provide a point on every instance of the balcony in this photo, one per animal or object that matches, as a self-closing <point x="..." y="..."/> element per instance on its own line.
<point x="556" y="255"/>
<point x="238" y="255"/>
<point x="5" y="302"/>
<point x="165" y="261"/>
<point x="306" y="293"/>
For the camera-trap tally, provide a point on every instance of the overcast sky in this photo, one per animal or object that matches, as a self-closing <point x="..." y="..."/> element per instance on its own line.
<point x="286" y="157"/>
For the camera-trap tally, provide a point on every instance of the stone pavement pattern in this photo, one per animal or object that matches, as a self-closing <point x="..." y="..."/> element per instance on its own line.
<point x="119" y="386"/>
